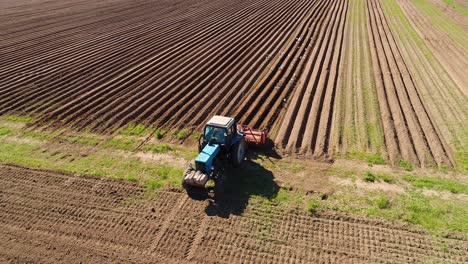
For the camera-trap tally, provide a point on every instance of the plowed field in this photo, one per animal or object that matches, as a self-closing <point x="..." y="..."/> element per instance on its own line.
<point x="326" y="77"/>
<point x="52" y="217"/>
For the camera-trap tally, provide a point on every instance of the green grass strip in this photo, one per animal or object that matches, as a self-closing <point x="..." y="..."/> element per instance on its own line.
<point x="436" y="183"/>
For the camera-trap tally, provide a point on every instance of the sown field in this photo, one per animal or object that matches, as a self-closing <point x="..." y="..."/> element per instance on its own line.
<point x="327" y="78"/>
<point x="53" y="217"/>
<point x="105" y="99"/>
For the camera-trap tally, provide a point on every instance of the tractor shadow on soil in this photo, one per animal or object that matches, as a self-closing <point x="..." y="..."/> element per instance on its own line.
<point x="250" y="179"/>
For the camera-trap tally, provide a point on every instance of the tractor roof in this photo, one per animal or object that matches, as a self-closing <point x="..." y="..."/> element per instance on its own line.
<point x="221" y="121"/>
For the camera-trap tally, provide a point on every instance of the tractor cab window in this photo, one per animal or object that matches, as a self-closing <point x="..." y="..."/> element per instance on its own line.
<point x="215" y="134"/>
<point x="232" y="130"/>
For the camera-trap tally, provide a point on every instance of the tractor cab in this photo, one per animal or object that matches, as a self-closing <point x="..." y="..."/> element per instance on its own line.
<point x="220" y="130"/>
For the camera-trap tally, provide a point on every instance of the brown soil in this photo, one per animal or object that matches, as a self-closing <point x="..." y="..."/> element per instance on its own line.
<point x="452" y="13"/>
<point x="406" y="118"/>
<point x="102" y="65"/>
<point x="124" y="62"/>
<point x="299" y="68"/>
<point x="52" y="217"/>
<point x="453" y="57"/>
<point x="357" y="125"/>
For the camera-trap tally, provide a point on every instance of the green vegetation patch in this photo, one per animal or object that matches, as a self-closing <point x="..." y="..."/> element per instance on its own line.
<point x="430" y="212"/>
<point x="343" y="172"/>
<point x="195" y="136"/>
<point x="22" y="154"/>
<point x="457" y="7"/>
<point x="182" y="134"/>
<point x="434" y="213"/>
<point x="370" y="158"/>
<point x="103" y="163"/>
<point x="122" y="143"/>
<point x="4" y="131"/>
<point x="382" y="201"/>
<point x="158" y="148"/>
<point x="163" y="175"/>
<point x="285" y="195"/>
<point x="313" y="205"/>
<point x="405" y="165"/>
<point x="159" y="133"/>
<point x="38" y="135"/>
<point x="369" y="177"/>
<point x="18" y="118"/>
<point x="461" y="159"/>
<point x="436" y="183"/>
<point x="89" y="140"/>
<point x="133" y="130"/>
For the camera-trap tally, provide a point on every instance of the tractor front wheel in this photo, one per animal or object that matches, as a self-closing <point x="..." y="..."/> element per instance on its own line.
<point x="238" y="153"/>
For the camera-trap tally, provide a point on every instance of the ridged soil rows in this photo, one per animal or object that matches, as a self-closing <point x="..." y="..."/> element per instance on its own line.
<point x="71" y="218"/>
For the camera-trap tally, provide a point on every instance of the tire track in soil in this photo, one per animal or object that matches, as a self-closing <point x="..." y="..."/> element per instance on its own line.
<point x="195" y="245"/>
<point x="166" y="223"/>
<point x="48" y="216"/>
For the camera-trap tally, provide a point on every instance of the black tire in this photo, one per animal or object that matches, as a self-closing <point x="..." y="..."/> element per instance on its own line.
<point x="201" y="144"/>
<point x="238" y="153"/>
<point x="184" y="185"/>
<point x="219" y="187"/>
<point x="187" y="171"/>
<point x="219" y="178"/>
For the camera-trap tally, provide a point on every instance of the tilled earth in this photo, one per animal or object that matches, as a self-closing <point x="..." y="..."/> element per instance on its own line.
<point x="325" y="77"/>
<point x="53" y="217"/>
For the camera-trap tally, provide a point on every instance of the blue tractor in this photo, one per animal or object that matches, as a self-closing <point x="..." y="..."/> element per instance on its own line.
<point x="223" y="141"/>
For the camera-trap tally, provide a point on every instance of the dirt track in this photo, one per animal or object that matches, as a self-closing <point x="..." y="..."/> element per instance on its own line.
<point x="47" y="216"/>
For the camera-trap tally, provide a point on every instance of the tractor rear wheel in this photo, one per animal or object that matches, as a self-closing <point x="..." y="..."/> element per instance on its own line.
<point x="219" y="179"/>
<point x="238" y="153"/>
<point x="219" y="188"/>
